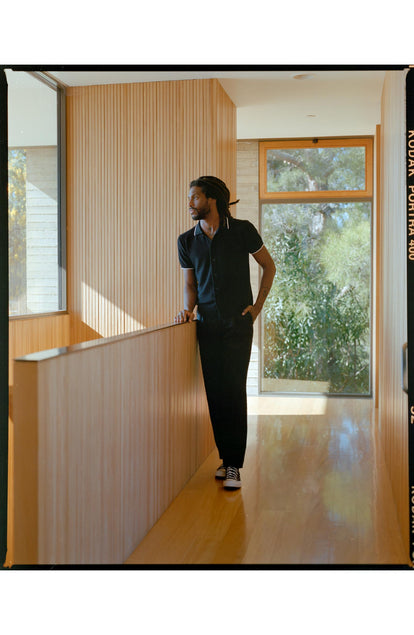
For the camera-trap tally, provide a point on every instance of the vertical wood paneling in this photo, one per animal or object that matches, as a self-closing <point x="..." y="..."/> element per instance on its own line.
<point x="29" y="335"/>
<point x="392" y="302"/>
<point x="132" y="151"/>
<point x="23" y="495"/>
<point x="115" y="431"/>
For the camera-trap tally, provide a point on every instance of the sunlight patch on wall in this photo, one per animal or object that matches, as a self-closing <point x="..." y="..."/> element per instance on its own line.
<point x="103" y="316"/>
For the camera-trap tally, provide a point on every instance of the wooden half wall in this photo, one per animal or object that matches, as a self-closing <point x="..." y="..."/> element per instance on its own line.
<point x="132" y="150"/>
<point x="392" y="300"/>
<point x="30" y="335"/>
<point x="106" y="434"/>
<point x="37" y="333"/>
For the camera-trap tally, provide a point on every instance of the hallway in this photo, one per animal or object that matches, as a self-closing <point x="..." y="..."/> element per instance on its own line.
<point x="315" y="492"/>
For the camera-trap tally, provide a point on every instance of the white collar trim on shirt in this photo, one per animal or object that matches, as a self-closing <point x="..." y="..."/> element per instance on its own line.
<point x="227" y="223"/>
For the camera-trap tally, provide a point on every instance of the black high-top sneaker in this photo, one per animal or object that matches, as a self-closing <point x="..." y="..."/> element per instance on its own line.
<point x="221" y="472"/>
<point x="232" y="480"/>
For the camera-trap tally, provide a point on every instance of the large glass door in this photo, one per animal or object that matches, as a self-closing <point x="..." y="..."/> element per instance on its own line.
<point x="316" y="324"/>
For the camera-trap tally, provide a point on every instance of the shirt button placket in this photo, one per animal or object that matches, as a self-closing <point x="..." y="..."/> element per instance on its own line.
<point x="214" y="270"/>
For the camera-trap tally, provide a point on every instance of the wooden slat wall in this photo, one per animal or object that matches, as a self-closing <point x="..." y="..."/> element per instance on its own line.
<point x="392" y="298"/>
<point x="132" y="151"/>
<point x="105" y="438"/>
<point x="29" y="335"/>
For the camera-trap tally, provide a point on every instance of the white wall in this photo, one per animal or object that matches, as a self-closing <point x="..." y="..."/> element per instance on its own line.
<point x="249" y="209"/>
<point x="341" y="103"/>
<point x="393" y="406"/>
<point x="32" y="110"/>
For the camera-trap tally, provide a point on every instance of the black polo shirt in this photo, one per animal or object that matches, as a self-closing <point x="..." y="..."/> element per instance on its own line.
<point x="221" y="264"/>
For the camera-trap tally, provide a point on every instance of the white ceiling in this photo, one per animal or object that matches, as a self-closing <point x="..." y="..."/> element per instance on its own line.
<point x="272" y="104"/>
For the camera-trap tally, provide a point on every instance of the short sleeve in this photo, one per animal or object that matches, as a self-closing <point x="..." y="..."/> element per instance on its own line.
<point x="183" y="256"/>
<point x="252" y="238"/>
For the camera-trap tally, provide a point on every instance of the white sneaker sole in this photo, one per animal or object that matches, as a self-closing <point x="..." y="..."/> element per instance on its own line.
<point x="231" y="484"/>
<point x="221" y="473"/>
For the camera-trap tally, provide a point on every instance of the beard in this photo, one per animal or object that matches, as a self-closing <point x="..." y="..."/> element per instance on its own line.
<point x="199" y="214"/>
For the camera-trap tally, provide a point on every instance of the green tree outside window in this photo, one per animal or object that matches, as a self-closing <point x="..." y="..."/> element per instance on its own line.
<point x="317" y="315"/>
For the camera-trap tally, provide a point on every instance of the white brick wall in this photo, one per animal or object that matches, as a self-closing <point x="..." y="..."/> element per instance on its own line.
<point x="42" y="230"/>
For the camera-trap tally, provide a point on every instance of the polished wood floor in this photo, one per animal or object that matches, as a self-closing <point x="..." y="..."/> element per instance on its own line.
<point x="315" y="491"/>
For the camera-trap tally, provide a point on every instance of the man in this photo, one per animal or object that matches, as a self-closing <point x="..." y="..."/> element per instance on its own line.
<point x="214" y="258"/>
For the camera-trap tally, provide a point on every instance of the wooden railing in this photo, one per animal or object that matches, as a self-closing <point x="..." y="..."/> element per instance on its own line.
<point x="106" y="434"/>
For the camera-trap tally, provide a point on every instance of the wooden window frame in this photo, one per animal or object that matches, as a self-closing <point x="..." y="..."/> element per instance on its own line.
<point x="324" y="195"/>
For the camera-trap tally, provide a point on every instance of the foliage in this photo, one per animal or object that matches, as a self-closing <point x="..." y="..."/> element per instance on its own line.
<point x="17" y="228"/>
<point x="317" y="315"/>
<point x="316" y="169"/>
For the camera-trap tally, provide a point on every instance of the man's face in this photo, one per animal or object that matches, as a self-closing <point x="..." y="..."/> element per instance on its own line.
<point x="198" y="203"/>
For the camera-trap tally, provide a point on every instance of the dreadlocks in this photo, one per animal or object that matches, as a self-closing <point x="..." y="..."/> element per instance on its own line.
<point x="212" y="187"/>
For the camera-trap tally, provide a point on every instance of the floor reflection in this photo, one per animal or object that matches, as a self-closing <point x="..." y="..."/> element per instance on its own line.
<point x="314" y="492"/>
<point x="286" y="405"/>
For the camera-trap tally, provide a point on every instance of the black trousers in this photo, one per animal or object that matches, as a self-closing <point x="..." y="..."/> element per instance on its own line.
<point x="225" y="347"/>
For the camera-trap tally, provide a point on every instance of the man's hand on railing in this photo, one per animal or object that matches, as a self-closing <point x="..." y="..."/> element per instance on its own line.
<point x="184" y="316"/>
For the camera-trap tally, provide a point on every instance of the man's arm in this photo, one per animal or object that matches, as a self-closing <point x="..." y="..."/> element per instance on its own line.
<point x="190" y="297"/>
<point x="265" y="260"/>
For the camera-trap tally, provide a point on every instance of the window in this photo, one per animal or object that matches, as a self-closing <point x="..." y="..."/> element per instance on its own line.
<point x="36" y="194"/>
<point x="328" y="169"/>
<point x="316" y="208"/>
